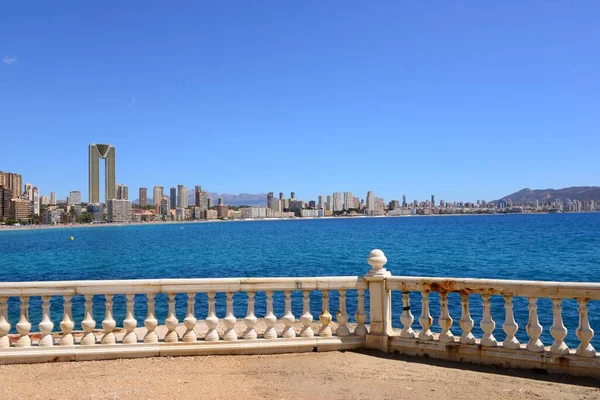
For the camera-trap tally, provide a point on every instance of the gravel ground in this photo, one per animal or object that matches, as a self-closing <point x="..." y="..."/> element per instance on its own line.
<point x="331" y="375"/>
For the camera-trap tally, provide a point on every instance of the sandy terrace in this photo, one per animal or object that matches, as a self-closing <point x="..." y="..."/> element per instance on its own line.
<point x="333" y="375"/>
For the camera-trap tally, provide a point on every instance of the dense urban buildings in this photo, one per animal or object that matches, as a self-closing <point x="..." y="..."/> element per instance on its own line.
<point x="118" y="210"/>
<point x="108" y="153"/>
<point x="12" y="181"/>
<point x="157" y="194"/>
<point x="182" y="200"/>
<point x="122" y="192"/>
<point x="143" y="197"/>
<point x="74" y="197"/>
<point x="173" y="198"/>
<point x="52" y="198"/>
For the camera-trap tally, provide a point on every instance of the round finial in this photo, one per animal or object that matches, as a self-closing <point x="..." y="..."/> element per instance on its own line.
<point x="377" y="259"/>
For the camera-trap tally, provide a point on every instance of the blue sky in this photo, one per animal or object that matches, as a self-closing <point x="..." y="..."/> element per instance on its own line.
<point x="464" y="100"/>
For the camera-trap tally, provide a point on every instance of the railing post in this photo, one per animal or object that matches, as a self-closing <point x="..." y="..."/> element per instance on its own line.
<point x="380" y="303"/>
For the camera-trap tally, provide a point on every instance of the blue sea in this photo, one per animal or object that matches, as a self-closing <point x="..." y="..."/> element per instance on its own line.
<point x="557" y="247"/>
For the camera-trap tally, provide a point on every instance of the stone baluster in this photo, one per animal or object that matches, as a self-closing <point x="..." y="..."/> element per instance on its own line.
<point x="510" y="326"/>
<point x="288" y="318"/>
<point x="212" y="321"/>
<point x="558" y="330"/>
<point x="487" y="324"/>
<point x="361" y="315"/>
<point x="466" y="322"/>
<point x="230" y="320"/>
<point x="46" y="325"/>
<point x="109" y="323"/>
<point x="584" y="331"/>
<point x="406" y="318"/>
<point x="325" y="317"/>
<point x="171" y="322"/>
<point x="150" y="323"/>
<point x="24" y="326"/>
<point x="534" y="329"/>
<point x="425" y="319"/>
<point x="190" y="321"/>
<point x="4" y="324"/>
<point x="88" y="324"/>
<point x="250" y="320"/>
<point x="307" y="317"/>
<point x="130" y="323"/>
<point x="342" y="316"/>
<point x="270" y="319"/>
<point x="67" y="325"/>
<point x="445" y="320"/>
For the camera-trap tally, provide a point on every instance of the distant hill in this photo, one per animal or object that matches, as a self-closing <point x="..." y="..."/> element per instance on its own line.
<point x="242" y="199"/>
<point x="581" y="193"/>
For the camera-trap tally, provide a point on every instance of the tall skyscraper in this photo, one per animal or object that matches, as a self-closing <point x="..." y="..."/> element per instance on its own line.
<point x="320" y="203"/>
<point x="432" y="201"/>
<point x="157" y="194"/>
<point x="143" y="197"/>
<point x="74" y="197"/>
<point x="329" y="204"/>
<point x="164" y="205"/>
<point x="348" y="200"/>
<point x="370" y="201"/>
<point x="28" y="192"/>
<point x="12" y="181"/>
<point x="52" y="198"/>
<point x="5" y="195"/>
<point x="209" y="202"/>
<point x="96" y="152"/>
<point x="200" y="197"/>
<point x="173" y="197"/>
<point x="270" y="200"/>
<point x="182" y="200"/>
<point x="338" y="204"/>
<point x="122" y="192"/>
<point x="293" y="196"/>
<point x="404" y="201"/>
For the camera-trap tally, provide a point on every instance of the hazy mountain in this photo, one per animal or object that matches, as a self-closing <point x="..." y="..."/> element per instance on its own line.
<point x="581" y="193"/>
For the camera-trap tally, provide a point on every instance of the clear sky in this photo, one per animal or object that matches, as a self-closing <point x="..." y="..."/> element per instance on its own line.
<point x="464" y="100"/>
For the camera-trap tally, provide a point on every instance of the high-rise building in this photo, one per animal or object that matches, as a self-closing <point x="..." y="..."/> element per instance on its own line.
<point x="370" y="201"/>
<point x="432" y="201"/>
<point x="28" y="192"/>
<point x="122" y="192"/>
<point x="219" y="201"/>
<point x="19" y="209"/>
<point x="118" y="210"/>
<point x="74" y="197"/>
<point x="143" y="197"/>
<point x="182" y="200"/>
<point x="44" y="200"/>
<point x="329" y="204"/>
<point x="108" y="153"/>
<point x="13" y="182"/>
<point x="52" y="198"/>
<point x="270" y="200"/>
<point x="281" y="195"/>
<point x="320" y="203"/>
<point x="404" y="201"/>
<point x="293" y="196"/>
<point x="348" y="200"/>
<point x="157" y="194"/>
<point x="173" y="198"/>
<point x="209" y="202"/>
<point x="338" y="204"/>
<point x="200" y="199"/>
<point x="6" y="195"/>
<point x="164" y="206"/>
<point x="36" y="200"/>
<point x="222" y="210"/>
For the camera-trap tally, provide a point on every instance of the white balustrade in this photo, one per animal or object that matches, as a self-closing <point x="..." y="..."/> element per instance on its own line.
<point x="534" y="329"/>
<point x="211" y="320"/>
<point x="445" y="320"/>
<point x="171" y="322"/>
<point x="229" y="320"/>
<point x="24" y="326"/>
<point x="558" y="330"/>
<point x="67" y="324"/>
<point x="129" y="323"/>
<point x="361" y="315"/>
<point x="88" y="324"/>
<point x="46" y="325"/>
<point x="510" y="326"/>
<point x="325" y="317"/>
<point x="584" y="331"/>
<point x="189" y="321"/>
<point x="487" y="324"/>
<point x="288" y="318"/>
<point x="406" y="318"/>
<point x="4" y="325"/>
<point x="342" y="316"/>
<point x="109" y="324"/>
<point x="250" y="320"/>
<point x="466" y="323"/>
<point x="425" y="319"/>
<point x="307" y="317"/>
<point x="270" y="319"/>
<point x="150" y="323"/>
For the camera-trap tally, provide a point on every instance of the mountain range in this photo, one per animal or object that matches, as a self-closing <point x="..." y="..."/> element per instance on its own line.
<point x="581" y="193"/>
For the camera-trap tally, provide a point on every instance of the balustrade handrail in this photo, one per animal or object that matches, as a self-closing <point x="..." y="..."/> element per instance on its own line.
<point x="563" y="290"/>
<point x="134" y="286"/>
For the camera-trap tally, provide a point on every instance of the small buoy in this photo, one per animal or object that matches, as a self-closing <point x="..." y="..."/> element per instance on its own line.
<point x="72" y="238"/>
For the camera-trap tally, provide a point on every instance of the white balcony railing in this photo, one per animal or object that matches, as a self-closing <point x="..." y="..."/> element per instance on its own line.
<point x="249" y="331"/>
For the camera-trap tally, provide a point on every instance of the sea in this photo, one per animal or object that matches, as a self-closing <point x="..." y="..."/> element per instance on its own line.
<point x="549" y="247"/>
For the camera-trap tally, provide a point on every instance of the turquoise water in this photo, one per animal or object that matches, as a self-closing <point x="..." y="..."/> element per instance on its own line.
<point x="560" y="247"/>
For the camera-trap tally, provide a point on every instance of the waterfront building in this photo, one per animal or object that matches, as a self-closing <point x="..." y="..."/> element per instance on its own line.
<point x="157" y="195"/>
<point x="209" y="202"/>
<point x="52" y="198"/>
<point x="348" y="200"/>
<point x="180" y="214"/>
<point x="312" y="204"/>
<point x="256" y="212"/>
<point x="173" y="198"/>
<point x="200" y="198"/>
<point x="311" y="213"/>
<point x="379" y="205"/>
<point x="370" y="201"/>
<point x="270" y="200"/>
<point x="108" y="153"/>
<point x="329" y="204"/>
<point x="404" y="201"/>
<point x="338" y="204"/>
<point x="122" y="192"/>
<point x="6" y="195"/>
<point x="211" y="214"/>
<point x="12" y="181"/>
<point x="432" y="201"/>
<point x="280" y="195"/>
<point x="143" y="197"/>
<point x="293" y="196"/>
<point x="51" y="217"/>
<point x="165" y="206"/>
<point x="320" y="202"/>
<point x="36" y="200"/>
<point x="222" y="210"/>
<point x="182" y="196"/>
<point x="219" y="201"/>
<point x="74" y="197"/>
<point x="295" y="205"/>
<point x="28" y="192"/>
<point x="394" y="204"/>
<point x="118" y="210"/>
<point x="96" y="211"/>
<point x="44" y="200"/>
<point x="19" y="209"/>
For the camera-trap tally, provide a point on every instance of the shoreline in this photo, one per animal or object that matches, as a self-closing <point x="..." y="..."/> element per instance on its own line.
<point x="5" y="228"/>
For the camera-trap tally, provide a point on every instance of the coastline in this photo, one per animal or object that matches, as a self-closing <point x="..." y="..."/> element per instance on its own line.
<point x="4" y="228"/>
